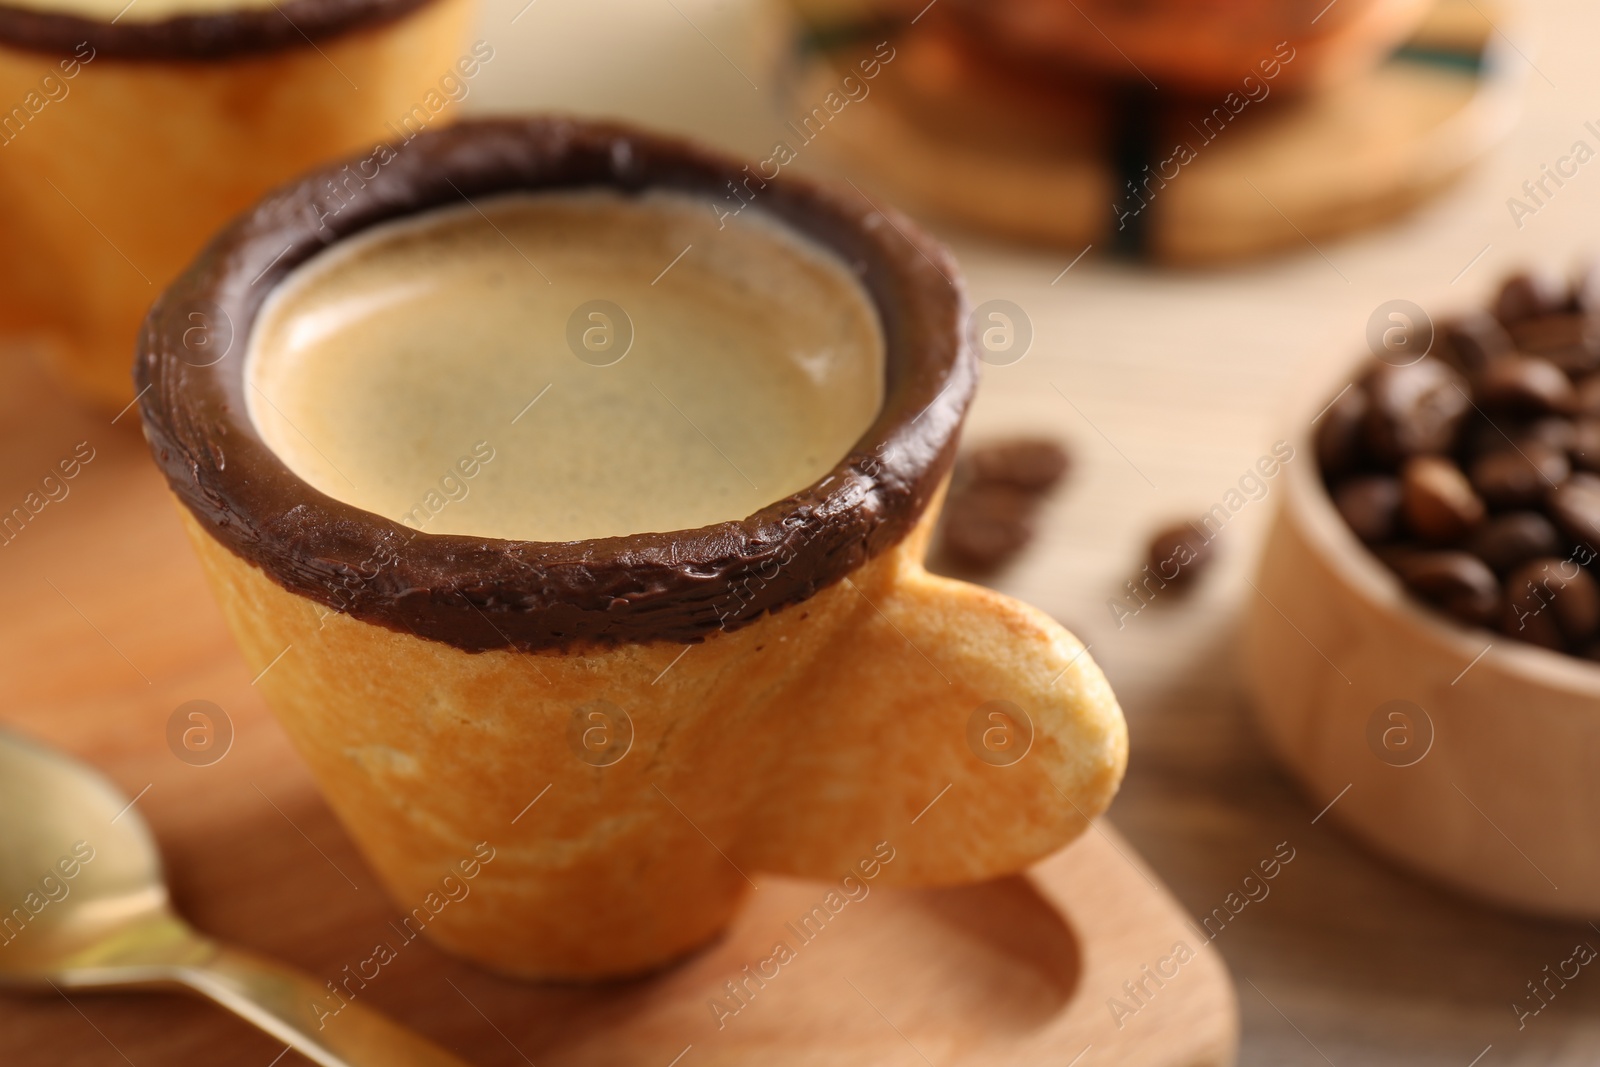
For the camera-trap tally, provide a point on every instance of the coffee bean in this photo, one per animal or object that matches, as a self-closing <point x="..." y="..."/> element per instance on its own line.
<point x="1575" y="507"/>
<point x="1570" y="340"/>
<point x="1370" y="504"/>
<point x="1506" y="541"/>
<point x="1530" y="625"/>
<point x="985" y="525"/>
<point x="1179" y="553"/>
<point x="1034" y="464"/>
<point x="1482" y="436"/>
<point x="1527" y="294"/>
<point x="1585" y="295"/>
<point x="1519" y="477"/>
<point x="1578" y="608"/>
<point x="1473" y="340"/>
<point x="1526" y="385"/>
<point x="1339" y="441"/>
<point x="1585" y="446"/>
<point x="1589" y="395"/>
<point x="1415" y="463"/>
<point x="1552" y="432"/>
<point x="1547" y="590"/>
<point x="1460" y="583"/>
<point x="1438" y="500"/>
<point x="1394" y="556"/>
<point x="1414" y="409"/>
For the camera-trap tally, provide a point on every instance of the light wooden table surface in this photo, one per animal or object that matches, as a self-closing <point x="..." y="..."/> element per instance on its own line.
<point x="1173" y="384"/>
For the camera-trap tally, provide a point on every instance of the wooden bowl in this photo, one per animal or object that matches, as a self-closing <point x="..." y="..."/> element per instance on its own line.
<point x="1485" y="778"/>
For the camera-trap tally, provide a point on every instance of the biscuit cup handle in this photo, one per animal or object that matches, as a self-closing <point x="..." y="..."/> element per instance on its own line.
<point x="964" y="733"/>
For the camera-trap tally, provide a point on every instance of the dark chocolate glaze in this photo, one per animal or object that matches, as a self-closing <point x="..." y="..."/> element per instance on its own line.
<point x="482" y="593"/>
<point x="212" y="35"/>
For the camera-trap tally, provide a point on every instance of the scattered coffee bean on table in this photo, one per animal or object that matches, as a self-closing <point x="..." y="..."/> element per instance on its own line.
<point x="1178" y="554"/>
<point x="1474" y="473"/>
<point x="986" y="525"/>
<point x="1034" y="464"/>
<point x="994" y="495"/>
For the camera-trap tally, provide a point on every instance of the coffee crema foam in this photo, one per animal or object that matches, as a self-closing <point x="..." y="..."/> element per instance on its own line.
<point x="395" y="371"/>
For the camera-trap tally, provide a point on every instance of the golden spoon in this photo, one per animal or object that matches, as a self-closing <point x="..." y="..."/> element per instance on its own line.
<point x="83" y="905"/>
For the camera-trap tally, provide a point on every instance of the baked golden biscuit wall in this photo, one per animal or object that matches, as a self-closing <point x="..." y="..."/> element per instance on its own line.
<point x="796" y="745"/>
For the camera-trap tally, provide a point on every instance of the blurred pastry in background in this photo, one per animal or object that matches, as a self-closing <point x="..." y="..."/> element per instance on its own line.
<point x="130" y="130"/>
<point x="1200" y="46"/>
<point x="1201" y="135"/>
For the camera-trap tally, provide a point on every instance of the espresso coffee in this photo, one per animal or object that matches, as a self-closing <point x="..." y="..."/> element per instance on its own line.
<point x="566" y="365"/>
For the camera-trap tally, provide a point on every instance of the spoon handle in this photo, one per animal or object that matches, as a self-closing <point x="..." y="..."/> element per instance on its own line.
<point x="308" y="1017"/>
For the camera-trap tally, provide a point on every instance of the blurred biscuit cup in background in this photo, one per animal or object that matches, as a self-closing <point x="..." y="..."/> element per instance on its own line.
<point x="128" y="136"/>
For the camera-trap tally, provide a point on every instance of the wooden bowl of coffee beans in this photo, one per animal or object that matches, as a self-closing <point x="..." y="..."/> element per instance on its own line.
<point x="1422" y="644"/>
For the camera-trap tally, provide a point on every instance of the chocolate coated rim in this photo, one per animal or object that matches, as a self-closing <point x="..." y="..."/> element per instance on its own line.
<point x="481" y="593"/>
<point x="212" y="35"/>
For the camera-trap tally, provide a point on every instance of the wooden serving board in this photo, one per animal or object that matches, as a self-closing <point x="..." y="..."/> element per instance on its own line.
<point x="108" y="628"/>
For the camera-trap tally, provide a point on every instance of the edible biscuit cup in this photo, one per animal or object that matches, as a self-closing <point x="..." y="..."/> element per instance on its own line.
<point x="834" y="704"/>
<point x="125" y="144"/>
